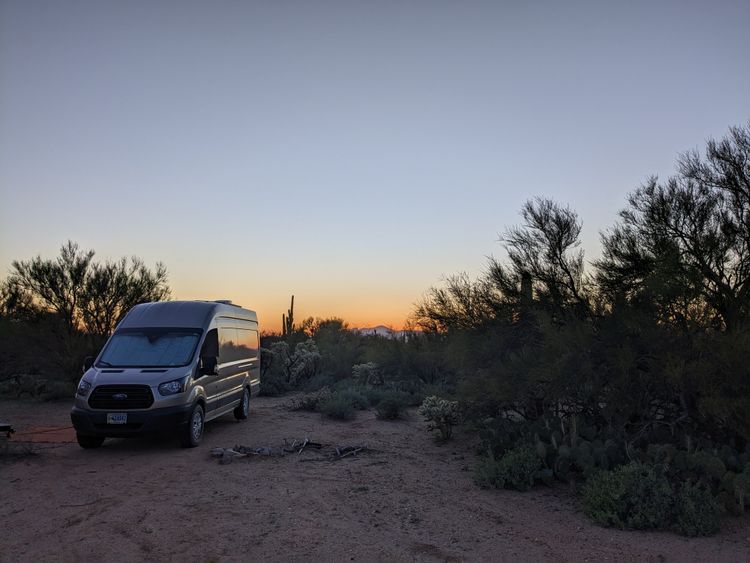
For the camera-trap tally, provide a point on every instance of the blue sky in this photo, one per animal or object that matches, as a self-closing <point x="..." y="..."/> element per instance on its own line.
<point x="352" y="153"/>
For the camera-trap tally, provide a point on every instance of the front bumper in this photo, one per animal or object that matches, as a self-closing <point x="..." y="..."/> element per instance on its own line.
<point x="140" y="422"/>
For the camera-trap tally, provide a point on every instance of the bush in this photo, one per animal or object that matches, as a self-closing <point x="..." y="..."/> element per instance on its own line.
<point x="318" y="382"/>
<point x="273" y="385"/>
<point x="36" y="387"/>
<point x="639" y="496"/>
<point x="443" y="415"/>
<point x="487" y="473"/>
<point x="374" y="395"/>
<point x="391" y="405"/>
<point x="632" y="496"/>
<point x="517" y="469"/>
<point x="414" y="398"/>
<point x="355" y="398"/>
<point x="413" y="389"/>
<point x="741" y="487"/>
<point x="338" y="406"/>
<point x="310" y="401"/>
<point x="55" y="390"/>
<point x="697" y="511"/>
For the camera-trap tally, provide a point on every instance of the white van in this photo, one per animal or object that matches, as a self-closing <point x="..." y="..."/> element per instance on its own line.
<point x="171" y="365"/>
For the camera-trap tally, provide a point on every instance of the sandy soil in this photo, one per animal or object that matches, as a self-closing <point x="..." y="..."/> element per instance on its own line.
<point x="410" y="500"/>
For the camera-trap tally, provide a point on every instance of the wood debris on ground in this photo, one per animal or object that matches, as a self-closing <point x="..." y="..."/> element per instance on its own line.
<point x="327" y="452"/>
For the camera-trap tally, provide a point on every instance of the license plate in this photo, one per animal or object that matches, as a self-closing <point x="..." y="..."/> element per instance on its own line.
<point x="117" y="418"/>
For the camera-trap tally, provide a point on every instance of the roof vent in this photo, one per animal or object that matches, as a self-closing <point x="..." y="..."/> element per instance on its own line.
<point x="226" y="302"/>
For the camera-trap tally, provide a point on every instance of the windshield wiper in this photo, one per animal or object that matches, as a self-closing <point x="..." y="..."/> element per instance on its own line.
<point x="104" y="364"/>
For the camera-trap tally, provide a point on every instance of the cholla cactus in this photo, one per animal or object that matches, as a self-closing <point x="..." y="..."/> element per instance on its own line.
<point x="279" y="359"/>
<point x="368" y="374"/>
<point x="293" y="367"/>
<point x="442" y="414"/>
<point x="304" y="362"/>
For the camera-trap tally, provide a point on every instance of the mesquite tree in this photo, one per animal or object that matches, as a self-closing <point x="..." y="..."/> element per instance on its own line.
<point x="683" y="246"/>
<point x="87" y="296"/>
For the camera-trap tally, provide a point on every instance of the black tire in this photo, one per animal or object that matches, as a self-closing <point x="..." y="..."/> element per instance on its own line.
<point x="243" y="409"/>
<point x="192" y="433"/>
<point x="89" y="442"/>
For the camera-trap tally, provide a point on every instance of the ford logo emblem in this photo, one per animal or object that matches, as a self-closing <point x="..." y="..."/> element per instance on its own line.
<point x="120" y="396"/>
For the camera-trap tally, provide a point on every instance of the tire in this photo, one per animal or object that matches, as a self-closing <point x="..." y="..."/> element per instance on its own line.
<point x="192" y="434"/>
<point x="89" y="442"/>
<point x="243" y="409"/>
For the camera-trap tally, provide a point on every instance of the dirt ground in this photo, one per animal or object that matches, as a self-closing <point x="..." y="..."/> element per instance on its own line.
<point x="408" y="500"/>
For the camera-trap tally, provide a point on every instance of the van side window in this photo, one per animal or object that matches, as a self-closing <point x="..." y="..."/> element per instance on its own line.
<point x="228" y="345"/>
<point x="237" y="344"/>
<point x="248" y="342"/>
<point x="210" y="344"/>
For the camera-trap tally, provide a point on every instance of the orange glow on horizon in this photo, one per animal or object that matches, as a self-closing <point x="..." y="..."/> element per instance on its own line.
<point x="383" y="311"/>
<point x="361" y="302"/>
<point x="271" y="322"/>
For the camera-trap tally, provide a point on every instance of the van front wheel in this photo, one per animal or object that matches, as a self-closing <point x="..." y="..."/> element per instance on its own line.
<point x="88" y="442"/>
<point x="192" y="433"/>
<point x="243" y="409"/>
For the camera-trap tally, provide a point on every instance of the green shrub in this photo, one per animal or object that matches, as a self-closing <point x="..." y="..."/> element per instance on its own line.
<point x="697" y="511"/>
<point x="35" y="387"/>
<point x="318" y="382"/>
<point x="441" y="413"/>
<point x="273" y="385"/>
<point x="414" y="391"/>
<point x="488" y="474"/>
<point x="310" y="401"/>
<point x="741" y="487"/>
<point x="55" y="390"/>
<point x="338" y="406"/>
<point x="391" y="405"/>
<point x="517" y="469"/>
<point x="357" y="399"/>
<point x="707" y="465"/>
<point x="604" y="499"/>
<point x="414" y="398"/>
<point x="632" y="496"/>
<point x="408" y="398"/>
<point x="374" y="395"/>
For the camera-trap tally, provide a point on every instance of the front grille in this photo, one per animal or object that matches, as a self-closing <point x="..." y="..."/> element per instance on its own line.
<point x="137" y="397"/>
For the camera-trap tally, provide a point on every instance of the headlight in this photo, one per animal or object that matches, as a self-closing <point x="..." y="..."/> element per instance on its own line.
<point x="171" y="387"/>
<point x="83" y="388"/>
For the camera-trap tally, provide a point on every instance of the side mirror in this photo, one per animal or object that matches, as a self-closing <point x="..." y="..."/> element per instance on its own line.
<point x="209" y="366"/>
<point x="88" y="361"/>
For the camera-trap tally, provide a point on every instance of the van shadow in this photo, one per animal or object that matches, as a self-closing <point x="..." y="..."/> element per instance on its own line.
<point x="163" y="443"/>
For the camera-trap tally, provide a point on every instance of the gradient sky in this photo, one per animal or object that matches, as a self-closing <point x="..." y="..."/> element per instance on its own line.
<point x="351" y="153"/>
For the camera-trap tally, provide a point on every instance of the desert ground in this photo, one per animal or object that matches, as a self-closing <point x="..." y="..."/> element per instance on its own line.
<point x="404" y="498"/>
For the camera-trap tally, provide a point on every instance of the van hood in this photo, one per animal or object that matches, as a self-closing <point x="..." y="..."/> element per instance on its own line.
<point x="152" y="377"/>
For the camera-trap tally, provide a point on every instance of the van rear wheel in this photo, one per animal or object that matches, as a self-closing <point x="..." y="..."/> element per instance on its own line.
<point x="89" y="442"/>
<point x="243" y="409"/>
<point x="192" y="433"/>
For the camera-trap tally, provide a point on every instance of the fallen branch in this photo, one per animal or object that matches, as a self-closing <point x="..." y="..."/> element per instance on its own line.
<point x="333" y="453"/>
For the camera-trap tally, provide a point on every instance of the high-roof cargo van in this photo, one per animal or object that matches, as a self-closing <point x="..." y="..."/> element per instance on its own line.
<point x="169" y="366"/>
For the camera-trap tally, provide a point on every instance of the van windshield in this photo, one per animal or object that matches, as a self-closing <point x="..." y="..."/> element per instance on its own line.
<point x="150" y="347"/>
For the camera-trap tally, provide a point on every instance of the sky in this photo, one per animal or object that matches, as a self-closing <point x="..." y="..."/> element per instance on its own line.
<point x="350" y="153"/>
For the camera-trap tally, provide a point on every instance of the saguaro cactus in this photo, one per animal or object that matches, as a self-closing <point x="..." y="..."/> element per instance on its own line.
<point x="287" y="321"/>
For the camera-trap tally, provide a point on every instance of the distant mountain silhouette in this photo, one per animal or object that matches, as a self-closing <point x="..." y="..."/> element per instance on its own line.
<point x="381" y="330"/>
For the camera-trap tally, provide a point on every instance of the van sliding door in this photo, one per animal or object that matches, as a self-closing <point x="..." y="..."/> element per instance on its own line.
<point x="239" y="353"/>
